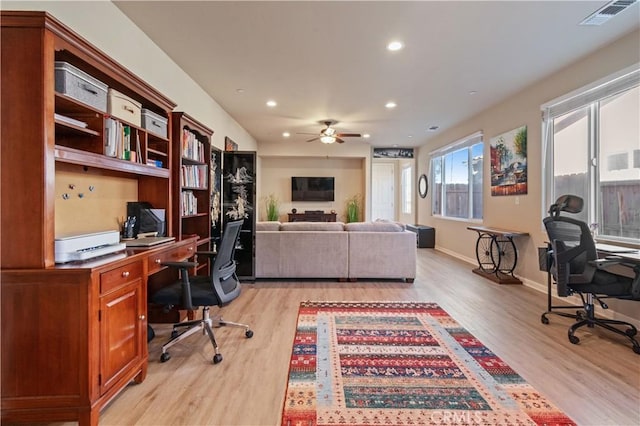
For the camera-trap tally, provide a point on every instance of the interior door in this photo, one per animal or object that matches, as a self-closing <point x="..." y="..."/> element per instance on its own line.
<point x="383" y="191"/>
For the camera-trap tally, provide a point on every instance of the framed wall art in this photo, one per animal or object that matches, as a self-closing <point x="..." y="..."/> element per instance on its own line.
<point x="230" y="145"/>
<point x="509" y="162"/>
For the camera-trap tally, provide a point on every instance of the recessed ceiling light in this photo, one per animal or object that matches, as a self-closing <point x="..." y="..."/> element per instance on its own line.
<point x="286" y="134"/>
<point x="473" y="92"/>
<point x="239" y="90"/>
<point x="390" y="105"/>
<point x="271" y="103"/>
<point x="395" y="45"/>
<point x="395" y="145"/>
<point x="410" y="136"/>
<point x="433" y="128"/>
<point x="366" y="135"/>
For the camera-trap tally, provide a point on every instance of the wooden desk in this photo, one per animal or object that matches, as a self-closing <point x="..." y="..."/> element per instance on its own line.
<point x="75" y="335"/>
<point x="312" y="217"/>
<point x="496" y="254"/>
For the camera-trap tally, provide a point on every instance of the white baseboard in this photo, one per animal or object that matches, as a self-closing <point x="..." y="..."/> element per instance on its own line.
<point x="458" y="256"/>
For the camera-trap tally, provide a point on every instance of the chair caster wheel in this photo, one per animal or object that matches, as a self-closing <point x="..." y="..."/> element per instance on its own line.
<point x="174" y="334"/>
<point x="631" y="332"/>
<point x="165" y="357"/>
<point x="217" y="359"/>
<point x="544" y="319"/>
<point x="249" y="334"/>
<point x="573" y="339"/>
<point x="636" y="349"/>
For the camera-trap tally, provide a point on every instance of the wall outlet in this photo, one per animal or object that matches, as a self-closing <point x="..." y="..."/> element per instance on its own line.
<point x="517" y="200"/>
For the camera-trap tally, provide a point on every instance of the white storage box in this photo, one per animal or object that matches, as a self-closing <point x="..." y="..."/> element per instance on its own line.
<point x="80" y="86"/>
<point x="124" y="108"/>
<point x="154" y="123"/>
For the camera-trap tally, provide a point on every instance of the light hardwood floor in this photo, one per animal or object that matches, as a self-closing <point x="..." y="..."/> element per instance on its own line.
<point x="596" y="382"/>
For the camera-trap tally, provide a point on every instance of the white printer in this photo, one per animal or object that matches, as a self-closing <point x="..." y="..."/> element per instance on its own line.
<point x="87" y="246"/>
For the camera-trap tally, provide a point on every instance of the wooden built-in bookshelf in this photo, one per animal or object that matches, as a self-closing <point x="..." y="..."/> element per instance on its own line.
<point x="85" y="325"/>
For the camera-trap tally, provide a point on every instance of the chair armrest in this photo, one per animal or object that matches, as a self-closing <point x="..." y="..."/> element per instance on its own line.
<point x="184" y="279"/>
<point x="606" y="262"/>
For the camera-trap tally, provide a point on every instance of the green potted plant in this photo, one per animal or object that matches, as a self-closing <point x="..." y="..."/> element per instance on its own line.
<point x="353" y="208"/>
<point x="272" y="207"/>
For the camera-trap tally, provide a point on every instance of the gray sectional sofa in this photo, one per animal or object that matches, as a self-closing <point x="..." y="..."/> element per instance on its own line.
<point x="360" y="250"/>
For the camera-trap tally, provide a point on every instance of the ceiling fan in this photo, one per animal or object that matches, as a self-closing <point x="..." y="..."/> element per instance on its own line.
<point x="330" y="135"/>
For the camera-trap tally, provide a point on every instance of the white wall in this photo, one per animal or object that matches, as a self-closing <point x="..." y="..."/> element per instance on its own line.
<point x="107" y="28"/>
<point x="524" y="212"/>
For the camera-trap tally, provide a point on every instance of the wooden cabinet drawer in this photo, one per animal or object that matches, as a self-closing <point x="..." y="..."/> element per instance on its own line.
<point x="175" y="254"/>
<point x="118" y="277"/>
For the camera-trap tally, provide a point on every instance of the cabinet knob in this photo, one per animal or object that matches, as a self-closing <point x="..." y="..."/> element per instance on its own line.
<point x="142" y="317"/>
<point x="158" y="261"/>
<point x="125" y="274"/>
<point x="190" y="248"/>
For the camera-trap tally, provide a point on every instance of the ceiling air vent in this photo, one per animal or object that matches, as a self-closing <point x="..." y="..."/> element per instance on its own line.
<point x="607" y="12"/>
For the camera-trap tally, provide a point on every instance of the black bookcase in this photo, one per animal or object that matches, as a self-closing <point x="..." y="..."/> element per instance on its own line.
<point x="239" y="201"/>
<point x="215" y="167"/>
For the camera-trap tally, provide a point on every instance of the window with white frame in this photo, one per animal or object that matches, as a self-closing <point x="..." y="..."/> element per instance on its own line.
<point x="456" y="176"/>
<point x="591" y="141"/>
<point x="407" y="189"/>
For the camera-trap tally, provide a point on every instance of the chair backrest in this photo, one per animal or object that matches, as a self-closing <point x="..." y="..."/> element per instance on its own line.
<point x="224" y="280"/>
<point x="572" y="244"/>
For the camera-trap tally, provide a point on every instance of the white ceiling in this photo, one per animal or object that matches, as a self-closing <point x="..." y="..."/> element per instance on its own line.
<point x="328" y="59"/>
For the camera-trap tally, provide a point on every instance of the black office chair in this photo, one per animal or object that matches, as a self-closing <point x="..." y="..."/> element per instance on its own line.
<point x="218" y="289"/>
<point x="577" y="269"/>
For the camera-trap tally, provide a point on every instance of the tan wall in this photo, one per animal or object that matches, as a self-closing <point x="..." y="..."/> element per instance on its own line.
<point x="350" y="163"/>
<point x="276" y="179"/>
<point x="524" y="212"/>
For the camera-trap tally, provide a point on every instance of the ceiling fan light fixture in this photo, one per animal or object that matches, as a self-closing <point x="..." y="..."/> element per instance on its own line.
<point x="327" y="139"/>
<point x="330" y="131"/>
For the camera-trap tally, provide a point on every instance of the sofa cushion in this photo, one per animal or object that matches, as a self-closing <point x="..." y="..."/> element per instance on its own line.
<point x="268" y="226"/>
<point x="400" y="224"/>
<point x="382" y="255"/>
<point x="373" y="227"/>
<point x="312" y="226"/>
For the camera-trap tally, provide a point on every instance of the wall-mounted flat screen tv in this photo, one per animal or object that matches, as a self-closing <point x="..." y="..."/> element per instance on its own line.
<point x="305" y="188"/>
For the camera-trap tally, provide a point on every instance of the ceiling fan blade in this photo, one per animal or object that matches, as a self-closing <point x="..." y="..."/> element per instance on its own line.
<point x="314" y="139"/>
<point x="339" y="140"/>
<point x="349" y="135"/>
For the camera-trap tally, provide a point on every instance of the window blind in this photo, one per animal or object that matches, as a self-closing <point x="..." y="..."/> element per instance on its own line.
<point x="586" y="96"/>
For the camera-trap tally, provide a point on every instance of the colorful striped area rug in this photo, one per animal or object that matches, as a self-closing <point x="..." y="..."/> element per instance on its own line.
<point x="401" y="363"/>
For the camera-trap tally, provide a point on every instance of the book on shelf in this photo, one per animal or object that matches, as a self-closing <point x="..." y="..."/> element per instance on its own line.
<point x="138" y="149"/>
<point x="194" y="176"/>
<point x="117" y="139"/>
<point x="192" y="148"/>
<point x="189" y="203"/>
